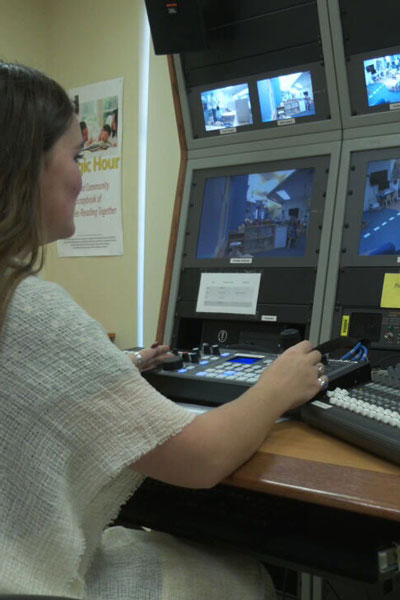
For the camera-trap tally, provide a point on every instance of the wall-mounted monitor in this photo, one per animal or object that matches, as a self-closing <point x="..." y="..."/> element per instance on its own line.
<point x="374" y="81"/>
<point x="288" y="96"/>
<point x="263" y="214"/>
<point x="372" y="232"/>
<point x="227" y="107"/>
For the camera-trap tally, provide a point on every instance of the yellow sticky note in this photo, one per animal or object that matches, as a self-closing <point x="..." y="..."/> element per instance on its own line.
<point x="391" y="291"/>
<point x="344" y="331"/>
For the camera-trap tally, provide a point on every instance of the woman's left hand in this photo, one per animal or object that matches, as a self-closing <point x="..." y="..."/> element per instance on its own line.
<point x="147" y="358"/>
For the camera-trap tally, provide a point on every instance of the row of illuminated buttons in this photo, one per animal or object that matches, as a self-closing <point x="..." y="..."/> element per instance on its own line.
<point x="342" y="398"/>
<point x="237" y="376"/>
<point x="239" y="371"/>
<point x="227" y="371"/>
<point x="206" y="361"/>
<point x="259" y="366"/>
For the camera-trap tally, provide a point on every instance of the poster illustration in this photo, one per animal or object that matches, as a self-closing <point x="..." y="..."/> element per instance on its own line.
<point x="98" y="211"/>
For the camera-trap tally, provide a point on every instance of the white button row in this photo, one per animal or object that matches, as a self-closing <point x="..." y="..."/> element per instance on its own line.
<point x="342" y="398"/>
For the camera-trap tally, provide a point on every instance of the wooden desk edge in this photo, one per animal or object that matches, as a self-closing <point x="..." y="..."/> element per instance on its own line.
<point x="344" y="488"/>
<point x="361" y="490"/>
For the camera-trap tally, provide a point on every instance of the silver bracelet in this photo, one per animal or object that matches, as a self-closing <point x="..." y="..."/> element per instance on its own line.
<point x="139" y="359"/>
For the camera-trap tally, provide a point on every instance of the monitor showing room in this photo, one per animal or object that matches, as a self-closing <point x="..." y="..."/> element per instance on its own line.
<point x="380" y="226"/>
<point x="382" y="79"/>
<point x="288" y="96"/>
<point x="256" y="214"/>
<point x="227" y="107"/>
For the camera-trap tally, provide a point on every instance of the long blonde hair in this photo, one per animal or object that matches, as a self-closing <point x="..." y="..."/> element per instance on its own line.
<point x="35" y="112"/>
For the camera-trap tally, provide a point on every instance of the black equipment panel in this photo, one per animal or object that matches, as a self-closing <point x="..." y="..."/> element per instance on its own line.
<point x="305" y="536"/>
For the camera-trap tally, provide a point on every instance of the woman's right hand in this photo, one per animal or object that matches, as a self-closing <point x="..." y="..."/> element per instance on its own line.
<point x="218" y="441"/>
<point x="293" y="377"/>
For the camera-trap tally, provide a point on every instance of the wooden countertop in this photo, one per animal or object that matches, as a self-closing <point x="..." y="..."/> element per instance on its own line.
<point x="300" y="462"/>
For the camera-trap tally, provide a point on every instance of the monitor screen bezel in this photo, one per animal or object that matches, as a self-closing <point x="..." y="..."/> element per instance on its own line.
<point x="193" y="222"/>
<point x="358" y="88"/>
<point x="352" y="226"/>
<point x="321" y="101"/>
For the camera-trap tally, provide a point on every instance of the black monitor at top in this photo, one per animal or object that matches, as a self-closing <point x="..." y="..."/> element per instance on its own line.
<point x="261" y="214"/>
<point x="372" y="235"/>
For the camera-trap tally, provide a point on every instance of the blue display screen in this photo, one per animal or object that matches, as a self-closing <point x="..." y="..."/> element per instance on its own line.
<point x="380" y="223"/>
<point x="227" y="107"/>
<point x="244" y="360"/>
<point x="256" y="214"/>
<point x="382" y="79"/>
<point x="286" y="97"/>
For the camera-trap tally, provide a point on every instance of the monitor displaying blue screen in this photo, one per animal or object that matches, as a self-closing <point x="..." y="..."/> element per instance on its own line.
<point x="380" y="225"/>
<point x="256" y="214"/>
<point x="382" y="79"/>
<point x="227" y="107"/>
<point x="286" y="97"/>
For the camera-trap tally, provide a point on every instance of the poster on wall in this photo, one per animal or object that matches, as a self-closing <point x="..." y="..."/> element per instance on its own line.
<point x="98" y="211"/>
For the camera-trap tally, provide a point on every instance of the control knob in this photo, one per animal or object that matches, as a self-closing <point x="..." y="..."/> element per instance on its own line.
<point x="172" y="364"/>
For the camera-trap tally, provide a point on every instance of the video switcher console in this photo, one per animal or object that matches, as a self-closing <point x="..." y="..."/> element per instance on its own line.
<point x="214" y="375"/>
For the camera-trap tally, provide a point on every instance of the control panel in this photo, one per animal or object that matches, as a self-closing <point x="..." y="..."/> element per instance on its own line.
<point x="368" y="415"/>
<point x="213" y="375"/>
<point x="227" y="365"/>
<point x="210" y="374"/>
<point x="390" y="331"/>
<point x="381" y="327"/>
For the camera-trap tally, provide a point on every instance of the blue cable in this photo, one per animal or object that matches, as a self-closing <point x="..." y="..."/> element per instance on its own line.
<point x="350" y="353"/>
<point x="359" y="352"/>
<point x="364" y="352"/>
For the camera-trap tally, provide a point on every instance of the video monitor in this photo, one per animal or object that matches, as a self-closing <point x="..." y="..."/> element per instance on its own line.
<point x="266" y="214"/>
<point x="382" y="79"/>
<point x="370" y="236"/>
<point x="227" y="107"/>
<point x="289" y="96"/>
<point x="374" y="84"/>
<point x="380" y="226"/>
<point x="256" y="214"/>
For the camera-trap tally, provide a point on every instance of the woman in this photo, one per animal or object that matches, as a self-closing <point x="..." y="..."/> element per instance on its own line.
<point x="79" y="427"/>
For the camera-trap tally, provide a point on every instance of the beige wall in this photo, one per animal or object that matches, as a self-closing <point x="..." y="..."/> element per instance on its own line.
<point x="81" y="42"/>
<point x="23" y="32"/>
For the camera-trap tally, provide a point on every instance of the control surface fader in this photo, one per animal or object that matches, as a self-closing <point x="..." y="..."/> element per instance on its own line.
<point x="367" y="415"/>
